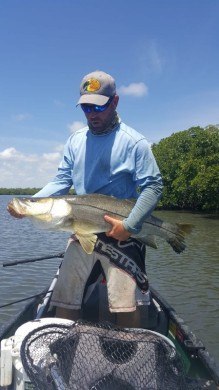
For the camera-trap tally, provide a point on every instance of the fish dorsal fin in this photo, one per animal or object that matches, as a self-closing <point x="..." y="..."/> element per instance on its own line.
<point x="87" y="242"/>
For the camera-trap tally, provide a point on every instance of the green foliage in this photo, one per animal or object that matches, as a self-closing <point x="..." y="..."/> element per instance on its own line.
<point x="189" y="163"/>
<point x="18" y="191"/>
<point x="25" y="191"/>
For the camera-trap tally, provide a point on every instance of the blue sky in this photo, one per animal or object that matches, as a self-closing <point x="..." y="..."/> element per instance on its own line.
<point x="163" y="54"/>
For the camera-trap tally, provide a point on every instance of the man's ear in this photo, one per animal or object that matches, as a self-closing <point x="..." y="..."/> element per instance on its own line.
<point x="116" y="100"/>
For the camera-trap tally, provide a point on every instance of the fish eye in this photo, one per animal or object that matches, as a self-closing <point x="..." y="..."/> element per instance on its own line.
<point x="33" y="200"/>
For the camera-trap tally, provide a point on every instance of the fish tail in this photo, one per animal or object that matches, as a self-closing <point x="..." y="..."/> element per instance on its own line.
<point x="178" y="241"/>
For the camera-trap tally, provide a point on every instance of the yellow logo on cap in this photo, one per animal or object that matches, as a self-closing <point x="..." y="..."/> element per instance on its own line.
<point x="91" y="85"/>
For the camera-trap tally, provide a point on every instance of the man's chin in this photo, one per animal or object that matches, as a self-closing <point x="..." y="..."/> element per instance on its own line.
<point x="97" y="126"/>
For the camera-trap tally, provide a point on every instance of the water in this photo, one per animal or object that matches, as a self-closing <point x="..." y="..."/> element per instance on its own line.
<point x="19" y="239"/>
<point x="188" y="281"/>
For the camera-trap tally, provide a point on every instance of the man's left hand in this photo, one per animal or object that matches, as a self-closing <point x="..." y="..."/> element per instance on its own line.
<point x="118" y="231"/>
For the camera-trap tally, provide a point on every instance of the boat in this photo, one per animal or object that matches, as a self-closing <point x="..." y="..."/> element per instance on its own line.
<point x="159" y="319"/>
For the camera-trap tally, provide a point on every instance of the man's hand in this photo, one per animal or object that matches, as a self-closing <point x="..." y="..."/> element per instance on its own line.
<point x="118" y="231"/>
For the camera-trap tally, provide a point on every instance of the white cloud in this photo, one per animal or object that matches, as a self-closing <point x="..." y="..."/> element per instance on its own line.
<point x="28" y="170"/>
<point x="59" y="148"/>
<point x="58" y="103"/>
<point x="11" y="154"/>
<point x="7" y="153"/>
<point x="150" y="58"/>
<point x="51" y="156"/>
<point x="75" y="126"/>
<point x="154" y="57"/>
<point x="22" y="117"/>
<point x="134" y="89"/>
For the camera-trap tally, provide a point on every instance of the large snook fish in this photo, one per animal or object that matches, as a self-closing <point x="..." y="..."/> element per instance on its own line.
<point x="83" y="215"/>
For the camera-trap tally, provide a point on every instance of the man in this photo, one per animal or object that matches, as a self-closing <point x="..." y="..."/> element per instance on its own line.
<point x="110" y="158"/>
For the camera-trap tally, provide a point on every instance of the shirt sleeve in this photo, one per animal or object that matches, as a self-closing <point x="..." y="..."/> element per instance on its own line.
<point x="62" y="182"/>
<point x="149" y="183"/>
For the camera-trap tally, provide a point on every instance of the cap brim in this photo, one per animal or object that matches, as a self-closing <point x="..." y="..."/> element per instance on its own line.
<point x="99" y="100"/>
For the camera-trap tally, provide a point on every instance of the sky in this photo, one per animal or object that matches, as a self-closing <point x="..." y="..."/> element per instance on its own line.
<point x="164" y="56"/>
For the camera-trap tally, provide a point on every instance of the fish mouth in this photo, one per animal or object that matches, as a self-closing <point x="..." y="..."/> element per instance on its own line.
<point x="19" y="205"/>
<point x="15" y="210"/>
<point x="13" y="205"/>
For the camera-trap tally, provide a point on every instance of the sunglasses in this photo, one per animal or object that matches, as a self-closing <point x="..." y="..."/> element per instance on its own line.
<point x="87" y="108"/>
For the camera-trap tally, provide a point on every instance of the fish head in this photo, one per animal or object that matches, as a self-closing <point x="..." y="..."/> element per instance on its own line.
<point x="48" y="210"/>
<point x="30" y="206"/>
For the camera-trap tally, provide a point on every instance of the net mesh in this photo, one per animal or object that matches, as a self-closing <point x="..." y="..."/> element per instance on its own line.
<point x="101" y="357"/>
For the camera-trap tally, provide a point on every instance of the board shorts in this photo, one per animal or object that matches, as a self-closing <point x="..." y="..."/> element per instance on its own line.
<point x="126" y="279"/>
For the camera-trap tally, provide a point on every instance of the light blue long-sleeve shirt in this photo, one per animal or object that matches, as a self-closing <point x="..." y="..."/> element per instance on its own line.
<point x="119" y="163"/>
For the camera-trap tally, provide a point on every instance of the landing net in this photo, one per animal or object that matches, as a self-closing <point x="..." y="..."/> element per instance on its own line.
<point x="85" y="356"/>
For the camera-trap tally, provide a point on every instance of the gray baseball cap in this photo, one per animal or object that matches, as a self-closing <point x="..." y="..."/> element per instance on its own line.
<point x="96" y="88"/>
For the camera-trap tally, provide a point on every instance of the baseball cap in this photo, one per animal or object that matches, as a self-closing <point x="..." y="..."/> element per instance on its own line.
<point x="96" y="88"/>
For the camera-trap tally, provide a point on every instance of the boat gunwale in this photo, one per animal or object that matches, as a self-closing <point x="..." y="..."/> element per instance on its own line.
<point x="29" y="312"/>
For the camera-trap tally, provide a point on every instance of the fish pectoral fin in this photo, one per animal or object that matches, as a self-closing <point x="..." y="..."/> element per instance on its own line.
<point x="87" y="242"/>
<point x="149" y="240"/>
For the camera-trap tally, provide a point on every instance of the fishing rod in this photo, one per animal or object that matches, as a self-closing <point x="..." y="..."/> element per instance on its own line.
<point x="10" y="263"/>
<point x="25" y="299"/>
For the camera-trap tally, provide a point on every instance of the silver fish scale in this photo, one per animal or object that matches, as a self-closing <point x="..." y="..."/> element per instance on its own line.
<point x="108" y="204"/>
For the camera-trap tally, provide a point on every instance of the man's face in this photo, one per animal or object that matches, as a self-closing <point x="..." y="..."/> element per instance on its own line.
<point x="101" y="120"/>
